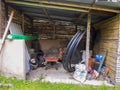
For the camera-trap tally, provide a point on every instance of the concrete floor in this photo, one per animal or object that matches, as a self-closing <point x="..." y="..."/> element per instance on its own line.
<point x="59" y="76"/>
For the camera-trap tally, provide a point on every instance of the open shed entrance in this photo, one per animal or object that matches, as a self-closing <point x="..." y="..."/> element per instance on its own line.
<point x="54" y="23"/>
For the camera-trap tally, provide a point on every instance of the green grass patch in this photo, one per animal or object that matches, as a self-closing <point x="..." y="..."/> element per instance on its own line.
<point x="38" y="85"/>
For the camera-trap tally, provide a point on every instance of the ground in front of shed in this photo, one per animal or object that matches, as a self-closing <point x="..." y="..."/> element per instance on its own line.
<point x="60" y="76"/>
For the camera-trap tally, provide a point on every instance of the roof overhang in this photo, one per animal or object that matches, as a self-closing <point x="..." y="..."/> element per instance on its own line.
<point x="67" y="10"/>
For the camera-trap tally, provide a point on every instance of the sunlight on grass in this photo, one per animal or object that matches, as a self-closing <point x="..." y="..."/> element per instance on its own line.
<point x="38" y="85"/>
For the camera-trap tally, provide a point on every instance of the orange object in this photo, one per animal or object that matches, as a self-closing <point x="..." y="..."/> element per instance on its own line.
<point x="91" y="62"/>
<point x="106" y="71"/>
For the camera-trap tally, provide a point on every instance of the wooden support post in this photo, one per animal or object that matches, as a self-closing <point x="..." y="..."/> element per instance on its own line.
<point x="76" y="28"/>
<point x="46" y="13"/>
<point x="54" y="32"/>
<point x="6" y="30"/>
<point x="0" y="18"/>
<point x="23" y="22"/>
<point x="88" y="38"/>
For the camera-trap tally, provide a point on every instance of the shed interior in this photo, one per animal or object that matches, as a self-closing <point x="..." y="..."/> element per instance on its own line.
<point x="56" y="21"/>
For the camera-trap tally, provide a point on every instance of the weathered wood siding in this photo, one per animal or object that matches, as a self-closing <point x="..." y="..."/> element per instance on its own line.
<point x="2" y="18"/>
<point x="21" y="19"/>
<point x="108" y="39"/>
<point x="55" y="34"/>
<point x="117" y="78"/>
<point x="57" y="30"/>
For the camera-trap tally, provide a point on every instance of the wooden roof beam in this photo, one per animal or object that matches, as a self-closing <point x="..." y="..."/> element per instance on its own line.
<point x="102" y="13"/>
<point x="84" y="14"/>
<point x="46" y="6"/>
<point x="88" y="39"/>
<point x="46" y="13"/>
<point x="80" y="17"/>
<point x="81" y="6"/>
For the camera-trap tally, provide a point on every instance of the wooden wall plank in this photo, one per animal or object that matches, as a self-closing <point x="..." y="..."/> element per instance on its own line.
<point x="63" y="30"/>
<point x="18" y="19"/>
<point x="117" y="77"/>
<point x="2" y="18"/>
<point x="108" y="39"/>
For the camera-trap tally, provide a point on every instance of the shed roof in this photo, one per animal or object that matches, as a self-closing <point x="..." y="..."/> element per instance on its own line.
<point x="67" y="10"/>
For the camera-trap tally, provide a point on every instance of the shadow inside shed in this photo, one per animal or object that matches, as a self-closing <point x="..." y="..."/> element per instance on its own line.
<point x="58" y="49"/>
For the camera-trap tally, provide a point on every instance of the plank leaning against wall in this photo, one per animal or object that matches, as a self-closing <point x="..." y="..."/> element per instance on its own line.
<point x="6" y="30"/>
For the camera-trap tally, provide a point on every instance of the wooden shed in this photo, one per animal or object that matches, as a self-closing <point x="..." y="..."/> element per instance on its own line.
<point x="56" y="21"/>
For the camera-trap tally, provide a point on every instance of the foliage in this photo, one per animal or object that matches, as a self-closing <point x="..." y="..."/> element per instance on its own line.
<point x="16" y="84"/>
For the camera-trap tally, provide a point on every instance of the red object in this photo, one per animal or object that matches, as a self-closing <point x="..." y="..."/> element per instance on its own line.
<point x="51" y="59"/>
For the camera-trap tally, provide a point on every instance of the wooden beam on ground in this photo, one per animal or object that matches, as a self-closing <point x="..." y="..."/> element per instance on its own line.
<point x="88" y="39"/>
<point x="74" y="5"/>
<point x="6" y="30"/>
<point x="46" y="6"/>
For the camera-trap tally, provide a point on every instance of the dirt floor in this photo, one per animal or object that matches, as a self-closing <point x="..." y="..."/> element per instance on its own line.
<point x="52" y="75"/>
<point x="59" y="76"/>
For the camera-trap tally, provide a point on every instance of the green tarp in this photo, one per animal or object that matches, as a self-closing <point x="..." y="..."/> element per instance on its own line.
<point x="21" y="37"/>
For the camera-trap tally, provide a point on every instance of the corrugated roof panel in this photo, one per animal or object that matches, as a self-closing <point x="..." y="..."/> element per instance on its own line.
<point x="34" y="15"/>
<point x="82" y="1"/>
<point x="35" y="11"/>
<point x="51" y="12"/>
<point x="108" y="4"/>
<point x="63" y="13"/>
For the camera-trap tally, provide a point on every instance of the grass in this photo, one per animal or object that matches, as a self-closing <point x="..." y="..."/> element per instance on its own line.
<point x="38" y="85"/>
